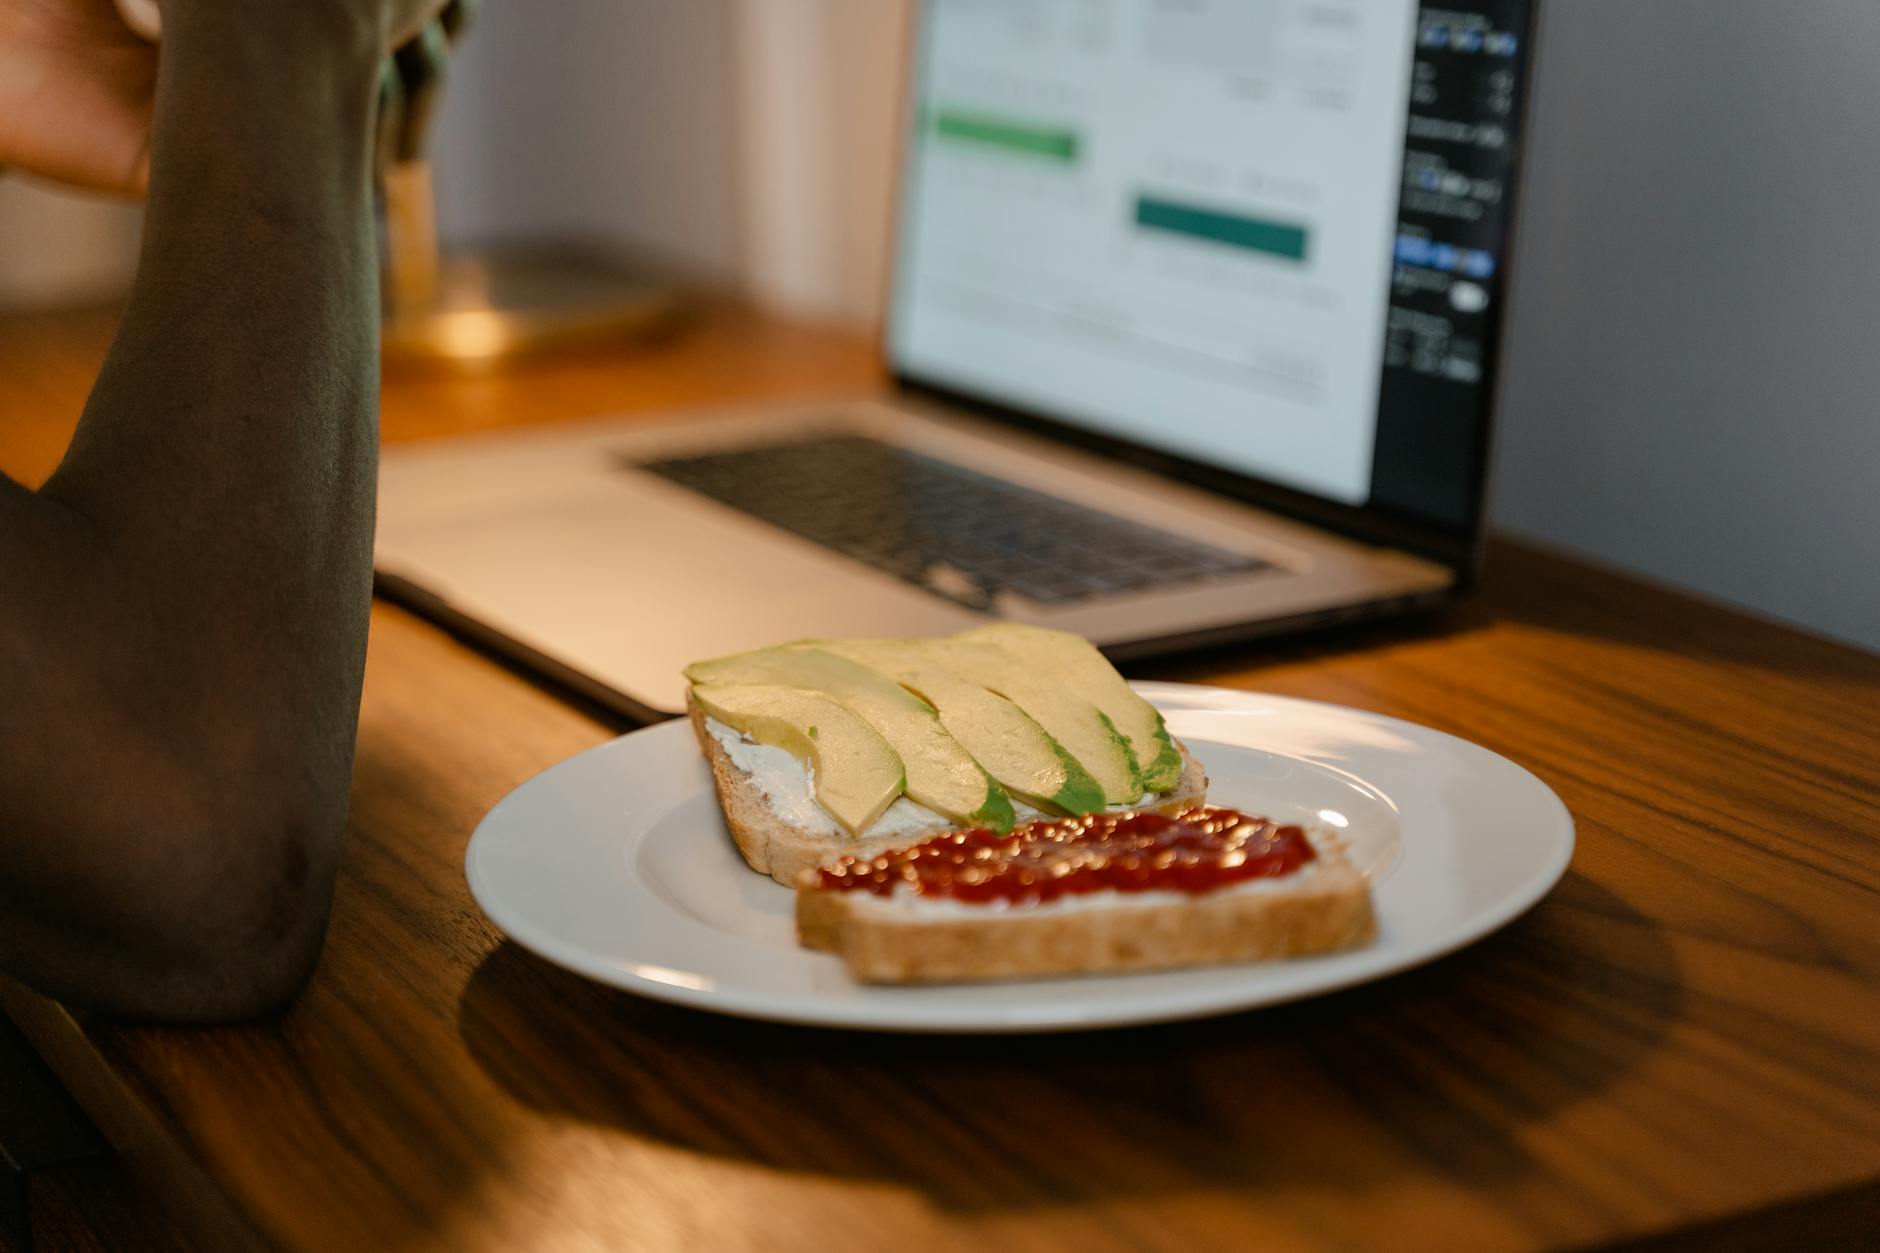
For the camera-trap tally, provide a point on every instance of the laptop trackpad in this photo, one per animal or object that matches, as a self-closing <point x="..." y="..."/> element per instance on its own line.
<point x="629" y="579"/>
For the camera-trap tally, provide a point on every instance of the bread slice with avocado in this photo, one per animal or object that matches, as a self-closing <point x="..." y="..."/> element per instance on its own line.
<point x="776" y="824"/>
<point x="804" y="741"/>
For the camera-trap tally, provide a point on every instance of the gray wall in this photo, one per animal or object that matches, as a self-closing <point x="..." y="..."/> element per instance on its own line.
<point x="1693" y="386"/>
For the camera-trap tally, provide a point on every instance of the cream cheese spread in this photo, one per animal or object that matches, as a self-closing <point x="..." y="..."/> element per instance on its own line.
<point x="790" y="788"/>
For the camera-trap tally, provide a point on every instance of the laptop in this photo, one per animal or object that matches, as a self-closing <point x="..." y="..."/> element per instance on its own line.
<point x="1192" y="330"/>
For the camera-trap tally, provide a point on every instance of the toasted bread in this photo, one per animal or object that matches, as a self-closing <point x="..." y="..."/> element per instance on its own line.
<point x="902" y="938"/>
<point x="782" y="850"/>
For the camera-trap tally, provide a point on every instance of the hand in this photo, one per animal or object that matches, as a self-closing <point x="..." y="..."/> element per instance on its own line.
<point x="412" y="85"/>
<point x="76" y="91"/>
<point x="77" y="86"/>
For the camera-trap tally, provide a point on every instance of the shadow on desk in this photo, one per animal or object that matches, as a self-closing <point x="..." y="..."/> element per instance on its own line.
<point x="1427" y="1069"/>
<point x="1583" y="607"/>
<point x="1534" y="587"/>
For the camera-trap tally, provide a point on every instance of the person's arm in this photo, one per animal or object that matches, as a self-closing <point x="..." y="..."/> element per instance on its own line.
<point x="183" y="605"/>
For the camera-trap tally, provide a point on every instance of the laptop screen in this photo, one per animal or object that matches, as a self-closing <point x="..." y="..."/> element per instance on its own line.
<point x="1264" y="236"/>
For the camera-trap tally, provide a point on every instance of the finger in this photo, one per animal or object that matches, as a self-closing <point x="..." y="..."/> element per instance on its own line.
<point x="391" y="118"/>
<point x="140" y="170"/>
<point x="457" y="18"/>
<point x="423" y="64"/>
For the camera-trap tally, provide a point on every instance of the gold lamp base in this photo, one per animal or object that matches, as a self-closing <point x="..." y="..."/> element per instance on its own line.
<point x="479" y="310"/>
<point x="489" y="308"/>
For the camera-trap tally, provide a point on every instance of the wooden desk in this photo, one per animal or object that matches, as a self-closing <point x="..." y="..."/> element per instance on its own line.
<point x="1681" y="1046"/>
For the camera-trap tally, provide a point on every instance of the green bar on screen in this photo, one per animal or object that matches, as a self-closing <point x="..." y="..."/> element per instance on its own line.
<point x="1278" y="239"/>
<point x="1031" y="139"/>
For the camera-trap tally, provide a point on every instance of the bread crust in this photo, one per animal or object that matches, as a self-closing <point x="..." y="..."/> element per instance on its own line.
<point x="772" y="846"/>
<point x="882" y="943"/>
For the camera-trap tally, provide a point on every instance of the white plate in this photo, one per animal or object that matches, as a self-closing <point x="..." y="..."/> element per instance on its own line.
<point x="616" y="865"/>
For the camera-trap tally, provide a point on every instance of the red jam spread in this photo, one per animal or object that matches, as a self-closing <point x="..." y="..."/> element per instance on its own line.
<point x="1195" y="851"/>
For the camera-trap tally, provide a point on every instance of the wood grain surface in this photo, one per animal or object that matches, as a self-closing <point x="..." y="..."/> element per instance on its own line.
<point x="1680" y="1048"/>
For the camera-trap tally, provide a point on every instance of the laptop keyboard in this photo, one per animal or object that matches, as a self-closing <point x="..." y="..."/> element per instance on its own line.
<point x="949" y="530"/>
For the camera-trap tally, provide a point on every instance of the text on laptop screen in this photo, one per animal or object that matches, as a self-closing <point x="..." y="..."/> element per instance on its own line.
<point x="1264" y="235"/>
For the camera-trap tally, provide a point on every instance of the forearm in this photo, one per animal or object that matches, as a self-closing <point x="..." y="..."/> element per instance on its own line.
<point x="230" y="436"/>
<point x="199" y="567"/>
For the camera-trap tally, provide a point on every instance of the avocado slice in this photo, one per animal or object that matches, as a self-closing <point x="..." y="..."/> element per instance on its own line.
<point x="1003" y="738"/>
<point x="856" y="774"/>
<point x="1075" y="662"/>
<point x="1071" y="720"/>
<point x="941" y="774"/>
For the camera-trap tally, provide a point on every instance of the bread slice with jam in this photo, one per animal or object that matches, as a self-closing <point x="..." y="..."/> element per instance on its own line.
<point x="1105" y="894"/>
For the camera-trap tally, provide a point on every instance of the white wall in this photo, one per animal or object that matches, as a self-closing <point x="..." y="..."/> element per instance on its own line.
<point x="1694" y="357"/>
<point x="608" y="120"/>
<point x="819" y="111"/>
<point x="749" y="140"/>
